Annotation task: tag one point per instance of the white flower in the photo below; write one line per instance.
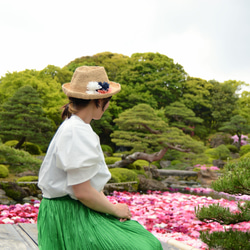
(92, 88)
(7, 221)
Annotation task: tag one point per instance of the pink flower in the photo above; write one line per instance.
(166, 215)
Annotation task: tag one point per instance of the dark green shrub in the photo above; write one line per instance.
(107, 150)
(181, 166)
(27, 178)
(4, 171)
(139, 164)
(19, 160)
(125, 175)
(219, 138)
(194, 159)
(114, 179)
(233, 148)
(245, 156)
(226, 239)
(219, 153)
(171, 155)
(112, 160)
(32, 148)
(14, 191)
(235, 180)
(244, 149)
(131, 166)
(174, 162)
(11, 143)
(141, 172)
(156, 163)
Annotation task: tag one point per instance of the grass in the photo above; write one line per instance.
(11, 178)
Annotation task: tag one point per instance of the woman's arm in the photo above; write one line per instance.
(97, 201)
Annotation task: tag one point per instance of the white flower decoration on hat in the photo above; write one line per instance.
(92, 88)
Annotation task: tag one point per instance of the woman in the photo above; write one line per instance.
(74, 213)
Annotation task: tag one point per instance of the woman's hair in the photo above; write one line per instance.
(76, 104)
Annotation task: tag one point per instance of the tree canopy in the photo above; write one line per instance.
(237, 125)
(156, 78)
(194, 105)
(22, 118)
(182, 117)
(45, 82)
(142, 130)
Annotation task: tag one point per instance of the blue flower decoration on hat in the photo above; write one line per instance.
(104, 86)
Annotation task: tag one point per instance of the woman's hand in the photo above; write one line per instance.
(122, 211)
(97, 201)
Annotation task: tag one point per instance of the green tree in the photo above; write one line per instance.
(197, 97)
(244, 105)
(18, 160)
(237, 125)
(224, 102)
(45, 82)
(140, 129)
(61, 75)
(235, 180)
(150, 78)
(221, 152)
(182, 117)
(22, 118)
(212, 101)
(112, 62)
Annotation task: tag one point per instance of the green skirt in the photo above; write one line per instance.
(66, 224)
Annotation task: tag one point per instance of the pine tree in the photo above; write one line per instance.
(22, 118)
(147, 135)
(235, 180)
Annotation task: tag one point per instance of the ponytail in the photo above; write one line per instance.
(66, 113)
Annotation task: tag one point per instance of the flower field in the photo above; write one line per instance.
(165, 214)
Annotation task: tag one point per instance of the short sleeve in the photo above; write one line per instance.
(78, 153)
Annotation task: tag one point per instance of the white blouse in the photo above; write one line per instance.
(74, 156)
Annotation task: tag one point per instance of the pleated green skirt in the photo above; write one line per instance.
(66, 224)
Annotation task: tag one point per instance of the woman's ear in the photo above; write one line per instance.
(99, 103)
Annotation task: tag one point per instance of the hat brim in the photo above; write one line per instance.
(114, 88)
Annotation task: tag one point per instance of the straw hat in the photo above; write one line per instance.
(90, 82)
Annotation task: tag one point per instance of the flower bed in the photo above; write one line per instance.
(167, 215)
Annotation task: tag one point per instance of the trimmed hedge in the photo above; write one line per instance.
(175, 162)
(244, 149)
(32, 148)
(114, 179)
(112, 160)
(107, 149)
(27, 178)
(139, 164)
(19, 160)
(245, 156)
(233, 148)
(123, 174)
(4, 171)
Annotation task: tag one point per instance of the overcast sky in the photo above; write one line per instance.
(209, 38)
